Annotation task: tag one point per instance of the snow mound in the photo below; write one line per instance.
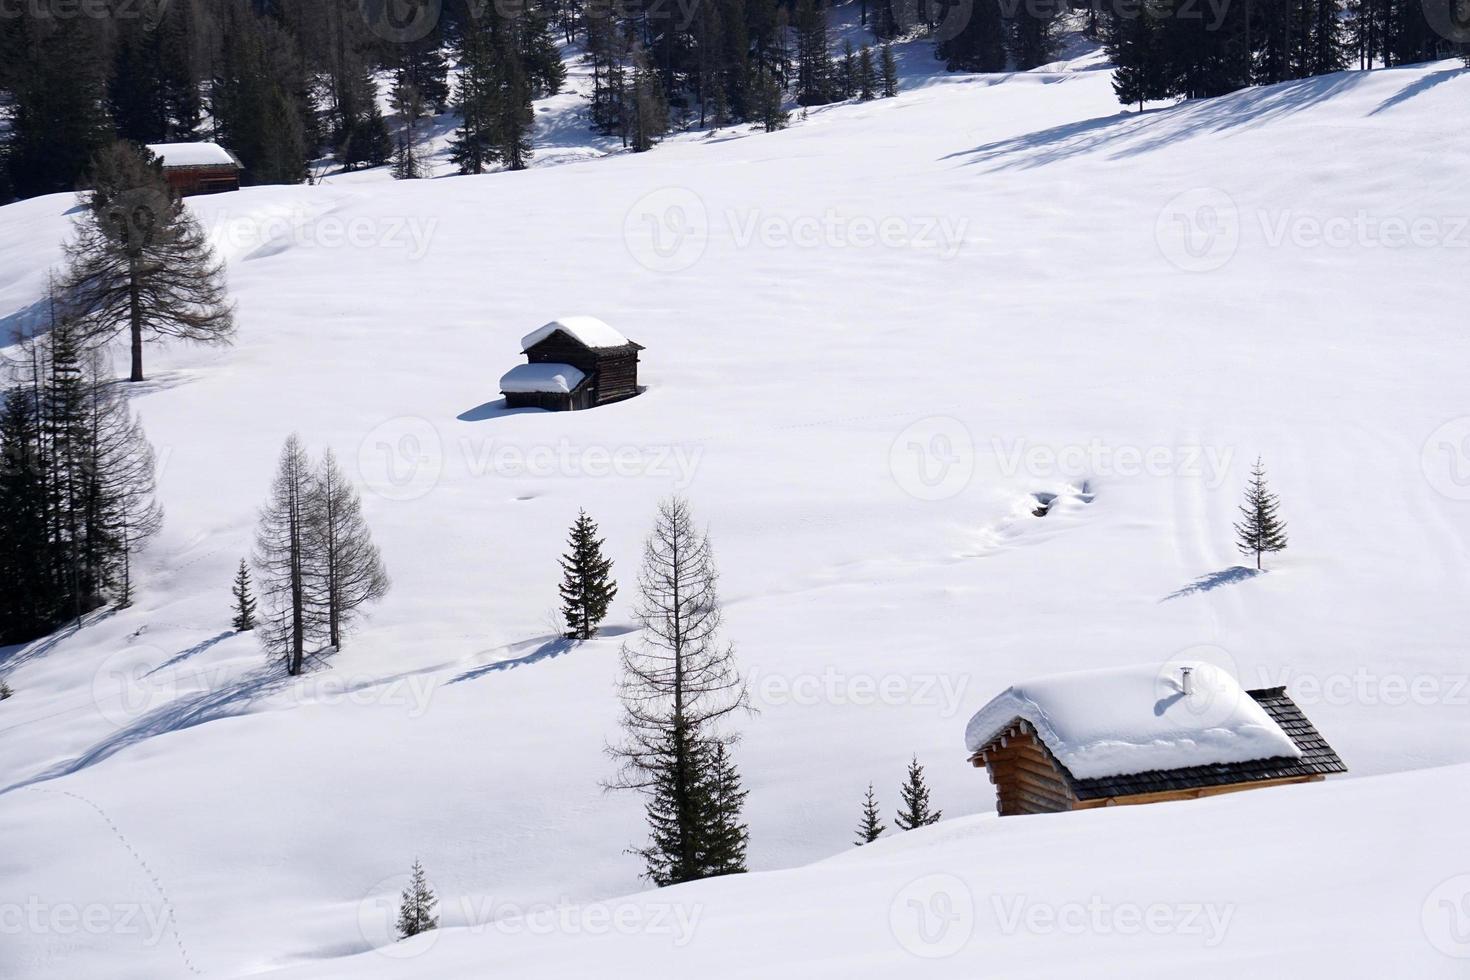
(560, 378)
(1137, 719)
(193, 155)
(586, 329)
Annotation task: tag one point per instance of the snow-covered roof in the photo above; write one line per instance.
(1137, 719)
(587, 330)
(559, 378)
(193, 155)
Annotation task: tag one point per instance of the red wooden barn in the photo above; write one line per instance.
(198, 168)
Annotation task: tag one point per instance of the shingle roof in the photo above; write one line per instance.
(1318, 759)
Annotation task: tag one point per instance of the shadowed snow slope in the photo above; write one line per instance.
(874, 342)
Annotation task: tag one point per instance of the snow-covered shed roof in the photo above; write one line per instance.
(556, 378)
(1137, 719)
(193, 155)
(586, 330)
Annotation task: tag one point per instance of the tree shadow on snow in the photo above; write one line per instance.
(185, 710)
(1127, 134)
(1212, 581)
(1419, 87)
(547, 647)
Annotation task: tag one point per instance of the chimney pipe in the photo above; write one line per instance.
(1186, 680)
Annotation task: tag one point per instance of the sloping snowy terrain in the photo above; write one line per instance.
(876, 342)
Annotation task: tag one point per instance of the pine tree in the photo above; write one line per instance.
(5, 692)
(914, 795)
(261, 100)
(889, 72)
(980, 44)
(54, 72)
(292, 623)
(726, 835)
(343, 568)
(813, 57)
(408, 102)
(587, 587)
(847, 73)
(244, 620)
(1260, 530)
(416, 908)
(140, 263)
(472, 147)
(1134, 42)
(872, 826)
(28, 603)
(867, 77)
(679, 686)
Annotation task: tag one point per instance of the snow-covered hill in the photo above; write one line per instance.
(871, 340)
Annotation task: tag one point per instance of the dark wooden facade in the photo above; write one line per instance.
(553, 401)
(612, 372)
(1028, 778)
(188, 181)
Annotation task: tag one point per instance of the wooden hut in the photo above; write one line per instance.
(198, 168)
(573, 363)
(1141, 735)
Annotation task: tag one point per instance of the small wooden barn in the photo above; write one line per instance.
(573, 363)
(1141, 735)
(198, 168)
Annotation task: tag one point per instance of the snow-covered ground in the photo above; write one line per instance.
(872, 340)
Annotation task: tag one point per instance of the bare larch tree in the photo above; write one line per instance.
(345, 569)
(679, 687)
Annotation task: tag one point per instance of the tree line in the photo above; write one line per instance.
(1178, 48)
(77, 485)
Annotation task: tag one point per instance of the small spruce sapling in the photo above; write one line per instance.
(244, 620)
(587, 586)
(872, 826)
(416, 911)
(1260, 530)
(915, 797)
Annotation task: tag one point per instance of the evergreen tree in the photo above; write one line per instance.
(55, 73)
(1031, 36)
(770, 102)
(343, 568)
(872, 826)
(28, 603)
(1134, 41)
(261, 101)
(847, 72)
(587, 587)
(914, 795)
(5, 692)
(416, 907)
(679, 687)
(140, 263)
(645, 112)
(244, 620)
(726, 835)
(1260, 530)
(867, 77)
(408, 102)
(813, 55)
(889, 72)
(980, 43)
